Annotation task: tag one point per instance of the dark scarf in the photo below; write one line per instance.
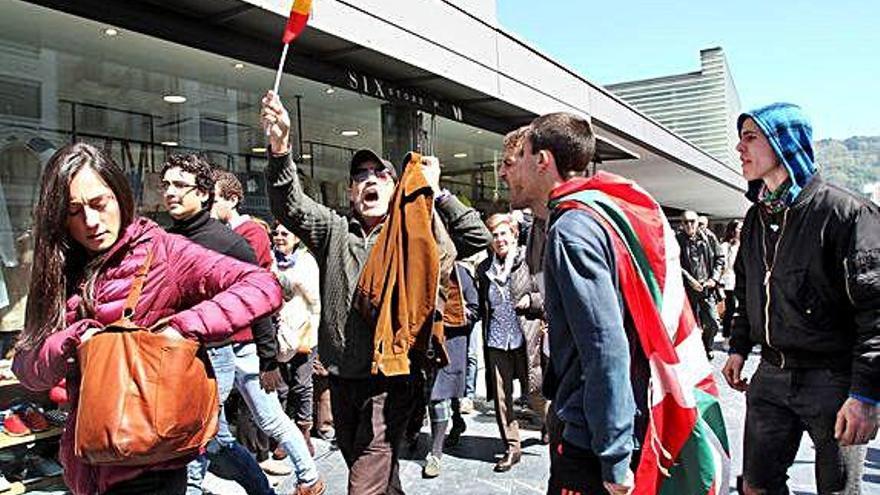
(775, 201)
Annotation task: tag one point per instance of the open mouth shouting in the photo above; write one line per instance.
(371, 196)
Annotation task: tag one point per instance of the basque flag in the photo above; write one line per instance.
(299, 16)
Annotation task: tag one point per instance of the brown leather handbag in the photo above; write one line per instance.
(145, 397)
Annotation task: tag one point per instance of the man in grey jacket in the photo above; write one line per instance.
(370, 411)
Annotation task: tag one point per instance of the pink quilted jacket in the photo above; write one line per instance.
(207, 295)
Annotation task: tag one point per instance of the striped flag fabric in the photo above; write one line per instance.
(296, 23)
(685, 449)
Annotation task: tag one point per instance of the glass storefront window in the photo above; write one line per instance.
(65, 78)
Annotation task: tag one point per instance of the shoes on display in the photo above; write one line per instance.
(34, 419)
(56, 417)
(14, 426)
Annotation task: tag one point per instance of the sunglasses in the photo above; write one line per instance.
(364, 174)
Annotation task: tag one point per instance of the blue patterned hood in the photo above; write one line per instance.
(790, 134)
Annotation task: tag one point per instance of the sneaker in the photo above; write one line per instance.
(34, 419)
(466, 406)
(14, 426)
(432, 467)
(276, 467)
(56, 417)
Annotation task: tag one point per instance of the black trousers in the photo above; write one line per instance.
(573, 470)
(781, 405)
(168, 482)
(730, 303)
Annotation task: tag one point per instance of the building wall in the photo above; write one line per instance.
(443, 38)
(700, 106)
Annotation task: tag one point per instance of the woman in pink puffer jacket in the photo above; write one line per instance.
(89, 244)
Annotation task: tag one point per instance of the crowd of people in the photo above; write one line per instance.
(355, 328)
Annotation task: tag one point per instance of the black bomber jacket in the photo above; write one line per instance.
(808, 282)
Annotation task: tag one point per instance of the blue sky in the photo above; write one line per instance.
(822, 55)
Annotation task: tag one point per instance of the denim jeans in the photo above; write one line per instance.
(230, 459)
(781, 405)
(470, 384)
(269, 415)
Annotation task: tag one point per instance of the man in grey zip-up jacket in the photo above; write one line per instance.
(370, 411)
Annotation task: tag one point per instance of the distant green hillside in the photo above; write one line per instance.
(852, 162)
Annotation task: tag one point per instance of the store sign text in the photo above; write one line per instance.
(373, 86)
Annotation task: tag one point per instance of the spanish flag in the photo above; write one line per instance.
(299, 16)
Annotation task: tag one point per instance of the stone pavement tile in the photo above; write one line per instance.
(467, 469)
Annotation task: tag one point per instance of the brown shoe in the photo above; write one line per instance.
(318, 488)
(510, 458)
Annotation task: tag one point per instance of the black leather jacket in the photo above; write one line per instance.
(809, 284)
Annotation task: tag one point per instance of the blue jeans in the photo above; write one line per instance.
(470, 384)
(269, 415)
(230, 459)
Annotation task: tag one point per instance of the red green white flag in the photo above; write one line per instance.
(685, 450)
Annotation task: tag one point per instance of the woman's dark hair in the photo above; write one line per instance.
(730, 230)
(59, 261)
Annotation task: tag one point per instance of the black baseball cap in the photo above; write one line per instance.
(367, 155)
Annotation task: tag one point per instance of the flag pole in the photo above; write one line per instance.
(280, 68)
(278, 75)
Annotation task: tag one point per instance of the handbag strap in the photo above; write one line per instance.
(137, 286)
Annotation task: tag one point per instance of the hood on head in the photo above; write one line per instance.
(790, 134)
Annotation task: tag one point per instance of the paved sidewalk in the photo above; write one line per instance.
(467, 470)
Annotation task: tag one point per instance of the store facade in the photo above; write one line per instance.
(145, 78)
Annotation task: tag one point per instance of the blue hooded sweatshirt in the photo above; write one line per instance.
(790, 134)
